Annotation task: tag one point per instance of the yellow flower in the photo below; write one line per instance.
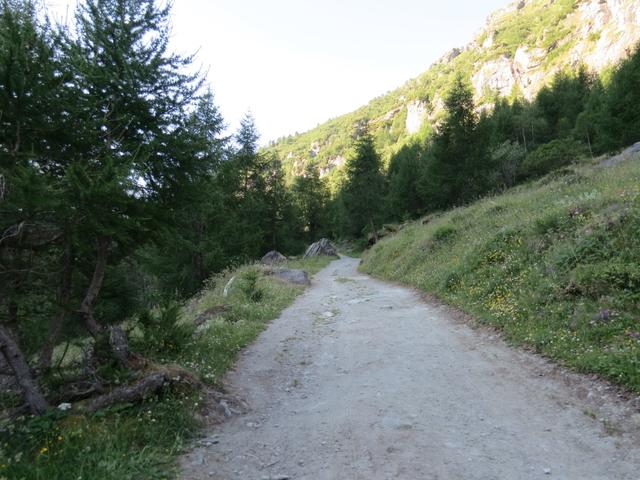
(44, 450)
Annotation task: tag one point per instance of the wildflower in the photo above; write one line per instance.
(44, 450)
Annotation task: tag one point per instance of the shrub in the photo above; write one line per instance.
(444, 233)
(163, 331)
(600, 279)
(249, 286)
(552, 155)
(506, 159)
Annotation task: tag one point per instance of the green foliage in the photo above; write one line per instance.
(553, 264)
(623, 103)
(163, 332)
(506, 160)
(364, 188)
(129, 441)
(444, 233)
(552, 155)
(404, 199)
(456, 171)
(249, 286)
(536, 23)
(311, 199)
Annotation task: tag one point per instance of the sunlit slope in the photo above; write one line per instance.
(554, 264)
(516, 52)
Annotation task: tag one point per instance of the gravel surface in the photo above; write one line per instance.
(360, 379)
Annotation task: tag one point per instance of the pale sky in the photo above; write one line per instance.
(296, 63)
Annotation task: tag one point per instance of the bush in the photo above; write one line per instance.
(249, 286)
(550, 156)
(163, 331)
(444, 233)
(506, 159)
(597, 280)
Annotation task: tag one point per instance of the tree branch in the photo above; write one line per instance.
(86, 308)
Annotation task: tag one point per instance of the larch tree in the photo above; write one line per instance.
(364, 189)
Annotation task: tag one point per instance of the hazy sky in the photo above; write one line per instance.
(297, 63)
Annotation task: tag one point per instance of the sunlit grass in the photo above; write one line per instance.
(555, 264)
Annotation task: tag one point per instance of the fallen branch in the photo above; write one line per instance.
(128, 393)
(160, 376)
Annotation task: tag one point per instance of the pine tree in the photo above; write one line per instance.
(404, 199)
(623, 103)
(189, 248)
(457, 170)
(364, 190)
(311, 198)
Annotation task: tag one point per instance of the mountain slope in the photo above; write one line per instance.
(517, 52)
(554, 264)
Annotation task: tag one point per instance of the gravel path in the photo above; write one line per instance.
(360, 379)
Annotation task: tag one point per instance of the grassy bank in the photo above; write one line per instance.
(554, 264)
(142, 441)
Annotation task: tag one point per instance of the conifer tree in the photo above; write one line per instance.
(456, 172)
(133, 94)
(364, 189)
(311, 198)
(404, 199)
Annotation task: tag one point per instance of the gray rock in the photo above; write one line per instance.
(273, 257)
(627, 154)
(292, 275)
(321, 247)
(227, 287)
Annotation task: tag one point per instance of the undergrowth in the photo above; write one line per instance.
(554, 264)
(143, 441)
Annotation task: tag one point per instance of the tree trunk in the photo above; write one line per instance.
(64, 297)
(86, 308)
(116, 336)
(18, 363)
(119, 344)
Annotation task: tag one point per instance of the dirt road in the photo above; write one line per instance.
(360, 379)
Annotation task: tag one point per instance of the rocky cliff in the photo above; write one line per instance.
(517, 52)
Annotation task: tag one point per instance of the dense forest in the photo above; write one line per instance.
(119, 188)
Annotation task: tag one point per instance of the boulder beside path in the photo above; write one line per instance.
(321, 247)
(273, 257)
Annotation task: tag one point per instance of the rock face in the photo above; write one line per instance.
(633, 152)
(604, 32)
(334, 162)
(321, 247)
(292, 275)
(495, 76)
(416, 111)
(273, 257)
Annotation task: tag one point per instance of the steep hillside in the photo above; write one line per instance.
(554, 264)
(517, 52)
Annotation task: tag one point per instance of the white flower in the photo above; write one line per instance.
(64, 406)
